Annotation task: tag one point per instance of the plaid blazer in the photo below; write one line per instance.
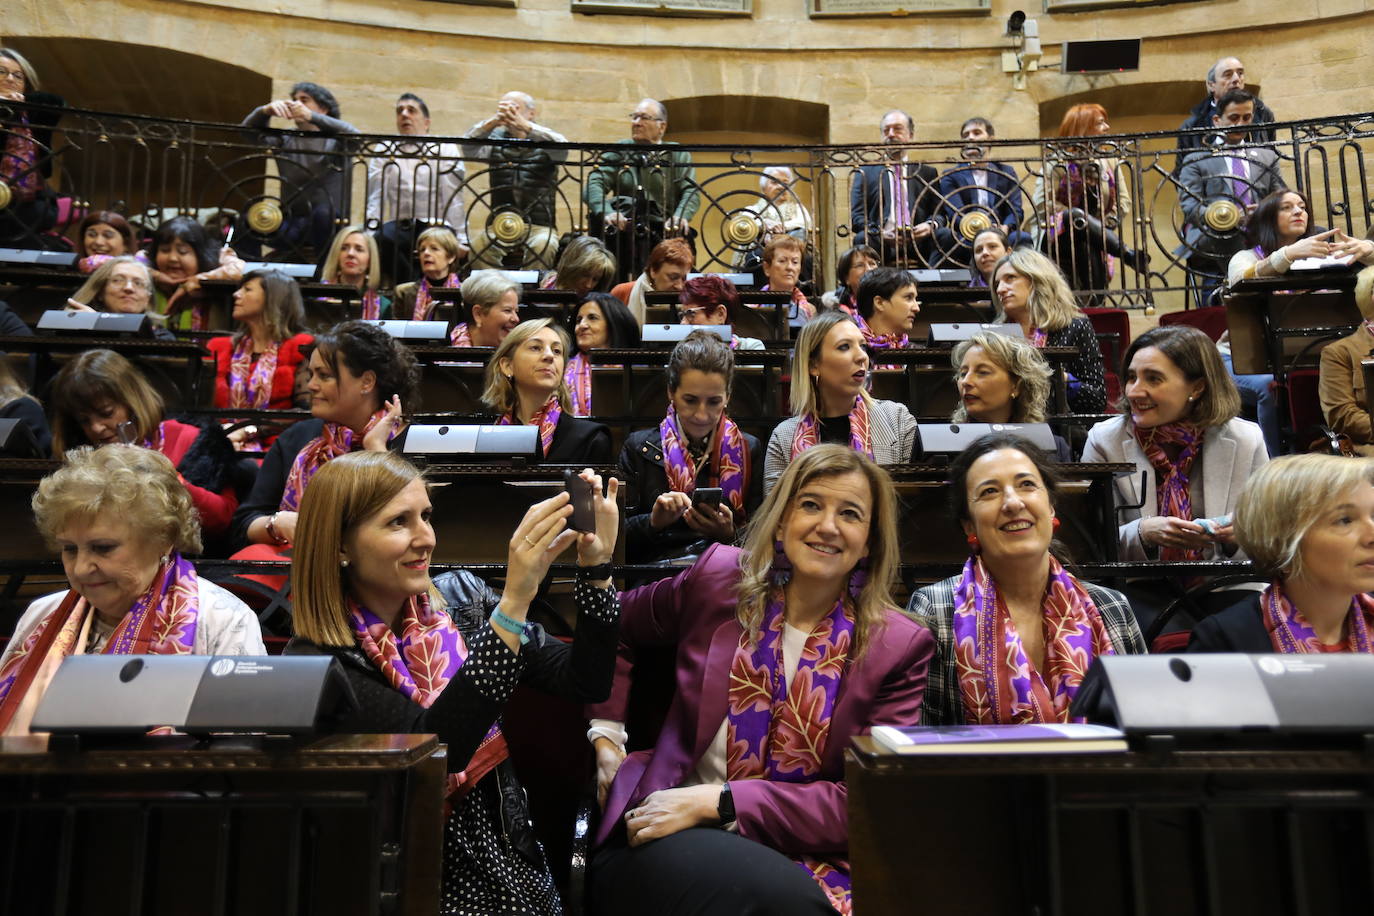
(933, 606)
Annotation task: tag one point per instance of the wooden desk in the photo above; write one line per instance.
(158, 359)
(31, 291)
(929, 533)
(342, 825)
(326, 304)
(1277, 324)
(925, 381)
(558, 304)
(951, 305)
(1188, 832)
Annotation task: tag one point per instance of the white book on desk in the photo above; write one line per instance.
(1046, 738)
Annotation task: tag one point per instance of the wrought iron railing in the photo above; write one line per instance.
(1083, 199)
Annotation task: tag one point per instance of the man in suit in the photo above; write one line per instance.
(1234, 171)
(977, 186)
(894, 207)
(1225, 75)
(642, 192)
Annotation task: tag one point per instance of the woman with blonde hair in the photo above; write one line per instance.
(1001, 379)
(1307, 522)
(786, 649)
(493, 303)
(525, 385)
(354, 260)
(439, 252)
(443, 657)
(1089, 202)
(123, 285)
(1028, 289)
(100, 398)
(585, 266)
(122, 522)
(831, 404)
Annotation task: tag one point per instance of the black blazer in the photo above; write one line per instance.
(1238, 628)
(578, 441)
(270, 483)
(641, 461)
(870, 200)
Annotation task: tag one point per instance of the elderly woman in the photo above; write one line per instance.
(713, 300)
(185, 255)
(353, 260)
(443, 658)
(782, 266)
(1178, 424)
(439, 252)
(26, 162)
(696, 445)
(1089, 198)
(830, 402)
(360, 378)
(602, 321)
(121, 284)
(786, 649)
(851, 267)
(121, 520)
(989, 247)
(525, 386)
(887, 305)
(1306, 521)
(100, 398)
(1003, 379)
(1345, 402)
(1030, 290)
(669, 263)
(585, 266)
(779, 210)
(493, 302)
(102, 235)
(1015, 632)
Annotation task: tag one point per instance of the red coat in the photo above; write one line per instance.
(215, 509)
(283, 380)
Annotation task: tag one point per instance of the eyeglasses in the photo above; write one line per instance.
(135, 282)
(16, 75)
(636, 116)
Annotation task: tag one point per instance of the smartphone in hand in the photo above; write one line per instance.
(583, 503)
(707, 496)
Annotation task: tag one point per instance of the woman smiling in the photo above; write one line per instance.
(602, 321)
(1015, 632)
(438, 251)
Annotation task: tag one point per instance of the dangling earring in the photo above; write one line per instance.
(973, 546)
(780, 572)
(166, 558)
(858, 578)
(344, 563)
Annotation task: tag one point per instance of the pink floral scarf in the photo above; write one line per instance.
(460, 336)
(1290, 632)
(334, 440)
(161, 622)
(372, 305)
(860, 438)
(546, 418)
(880, 341)
(578, 377)
(729, 460)
(996, 680)
(250, 382)
(424, 302)
(420, 664)
(1171, 475)
(778, 731)
(19, 162)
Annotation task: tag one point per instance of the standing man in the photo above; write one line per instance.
(522, 178)
(978, 186)
(413, 185)
(1226, 75)
(1238, 172)
(313, 170)
(894, 207)
(642, 192)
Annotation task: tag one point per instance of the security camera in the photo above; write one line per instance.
(1015, 22)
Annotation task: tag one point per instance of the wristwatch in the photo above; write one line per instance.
(725, 808)
(595, 573)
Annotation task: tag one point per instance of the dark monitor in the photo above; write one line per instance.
(99, 324)
(959, 276)
(1111, 55)
(37, 257)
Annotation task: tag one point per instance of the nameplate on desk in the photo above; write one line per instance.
(738, 279)
(105, 324)
(417, 331)
(952, 438)
(295, 271)
(674, 333)
(952, 277)
(37, 257)
(963, 330)
(523, 277)
(472, 439)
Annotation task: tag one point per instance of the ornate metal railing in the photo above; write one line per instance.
(1087, 201)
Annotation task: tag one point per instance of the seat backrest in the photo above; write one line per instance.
(1304, 405)
(1113, 329)
(1210, 321)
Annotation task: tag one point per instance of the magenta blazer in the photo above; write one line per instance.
(695, 611)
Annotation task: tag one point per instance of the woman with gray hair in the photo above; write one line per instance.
(122, 522)
(493, 301)
(1307, 521)
(124, 285)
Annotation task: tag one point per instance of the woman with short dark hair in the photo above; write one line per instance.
(601, 321)
(887, 304)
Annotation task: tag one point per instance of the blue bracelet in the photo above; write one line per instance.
(500, 618)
